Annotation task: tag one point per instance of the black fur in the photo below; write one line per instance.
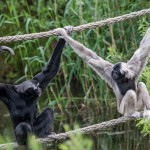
(124, 84)
(21, 101)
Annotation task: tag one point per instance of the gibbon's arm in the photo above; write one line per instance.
(3, 92)
(100, 66)
(52, 67)
(6, 49)
(140, 57)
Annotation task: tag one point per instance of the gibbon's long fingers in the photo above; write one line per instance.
(61, 33)
(6, 49)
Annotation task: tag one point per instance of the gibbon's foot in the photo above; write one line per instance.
(136, 115)
(146, 114)
(51, 134)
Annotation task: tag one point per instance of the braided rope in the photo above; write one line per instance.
(85, 130)
(91, 25)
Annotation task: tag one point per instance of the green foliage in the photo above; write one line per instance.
(76, 142)
(146, 76)
(32, 144)
(144, 126)
(143, 25)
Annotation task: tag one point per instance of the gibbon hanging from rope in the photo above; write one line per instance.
(132, 96)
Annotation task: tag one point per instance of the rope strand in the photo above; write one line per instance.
(92, 25)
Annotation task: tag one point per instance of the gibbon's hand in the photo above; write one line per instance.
(62, 33)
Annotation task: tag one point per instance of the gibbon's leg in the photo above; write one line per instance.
(21, 132)
(143, 96)
(44, 123)
(128, 103)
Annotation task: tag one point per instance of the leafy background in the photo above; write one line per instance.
(76, 94)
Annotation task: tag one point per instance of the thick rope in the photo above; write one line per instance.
(109, 21)
(85, 130)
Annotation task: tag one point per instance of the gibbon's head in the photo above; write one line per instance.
(29, 88)
(121, 71)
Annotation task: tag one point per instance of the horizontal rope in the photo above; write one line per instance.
(109, 21)
(85, 130)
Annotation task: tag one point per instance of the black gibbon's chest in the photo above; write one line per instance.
(126, 85)
(21, 106)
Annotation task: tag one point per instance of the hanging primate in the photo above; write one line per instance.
(21, 101)
(132, 96)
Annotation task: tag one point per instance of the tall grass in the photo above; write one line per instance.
(76, 87)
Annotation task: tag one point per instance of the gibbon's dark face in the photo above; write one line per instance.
(120, 75)
(117, 73)
(29, 88)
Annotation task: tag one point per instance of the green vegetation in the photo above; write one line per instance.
(77, 141)
(77, 93)
(144, 125)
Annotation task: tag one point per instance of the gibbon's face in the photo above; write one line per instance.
(29, 88)
(118, 71)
